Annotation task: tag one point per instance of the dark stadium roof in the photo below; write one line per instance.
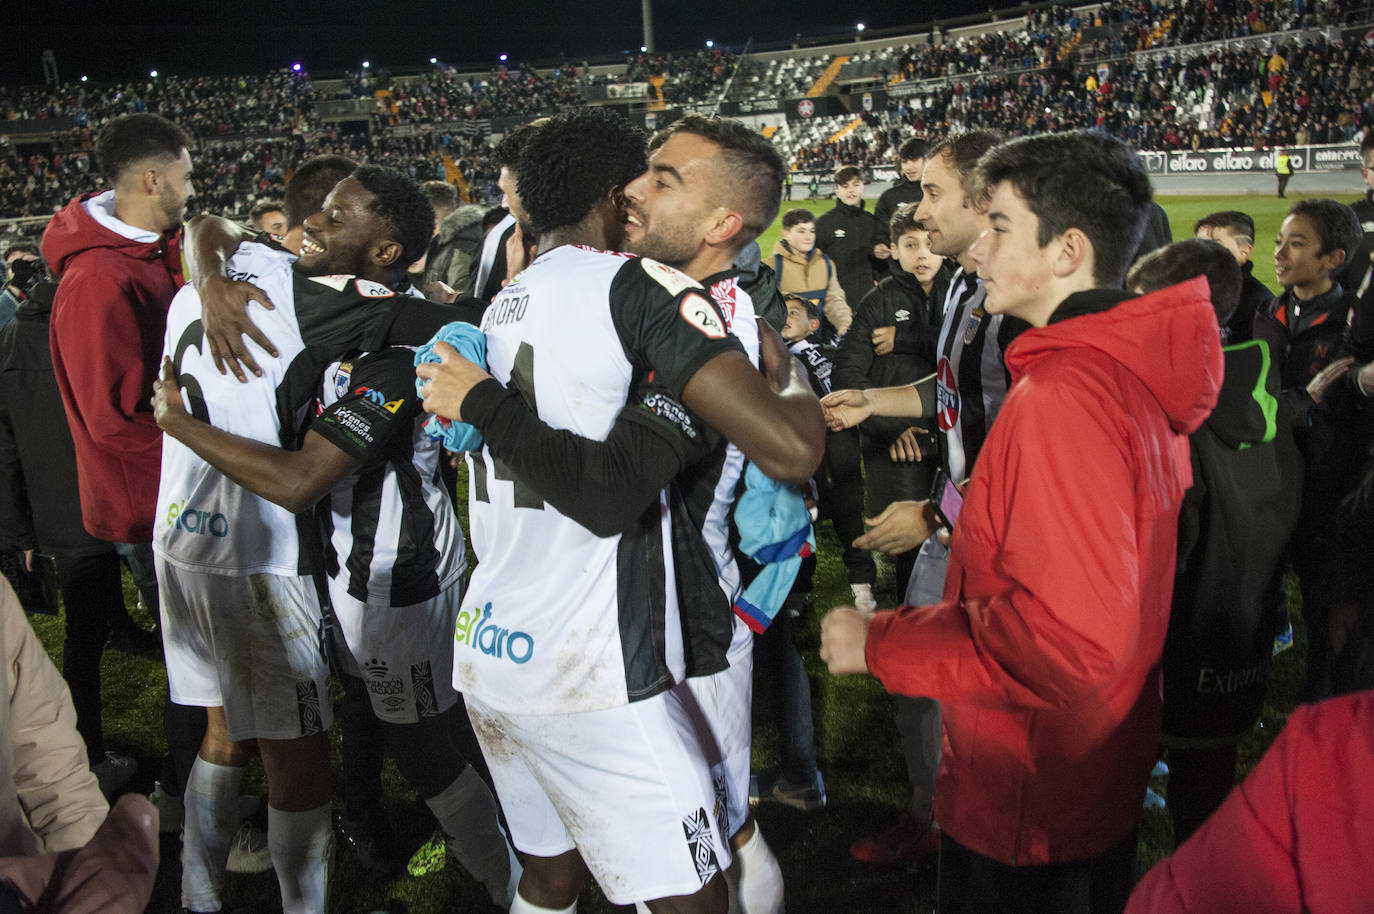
(119, 39)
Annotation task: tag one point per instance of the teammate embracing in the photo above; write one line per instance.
(597, 648)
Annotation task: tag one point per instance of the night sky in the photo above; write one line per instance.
(116, 40)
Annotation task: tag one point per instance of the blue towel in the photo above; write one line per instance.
(471, 345)
(775, 531)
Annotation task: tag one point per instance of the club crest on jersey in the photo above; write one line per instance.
(341, 378)
(698, 312)
(675, 281)
(474, 629)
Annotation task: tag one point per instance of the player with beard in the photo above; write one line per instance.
(664, 344)
(220, 546)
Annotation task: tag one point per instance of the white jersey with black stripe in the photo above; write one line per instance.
(557, 619)
(205, 522)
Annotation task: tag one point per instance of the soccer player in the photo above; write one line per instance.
(393, 546)
(218, 539)
(969, 389)
(619, 657)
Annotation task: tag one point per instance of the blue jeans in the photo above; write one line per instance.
(782, 679)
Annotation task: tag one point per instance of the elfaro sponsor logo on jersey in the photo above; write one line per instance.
(191, 520)
(475, 629)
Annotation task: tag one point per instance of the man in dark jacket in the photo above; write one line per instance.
(1352, 275)
(40, 509)
(849, 235)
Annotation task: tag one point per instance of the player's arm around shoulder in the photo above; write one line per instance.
(680, 334)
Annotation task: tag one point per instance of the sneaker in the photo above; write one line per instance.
(113, 773)
(170, 811)
(770, 786)
(128, 636)
(1161, 770)
(1154, 799)
(863, 598)
(909, 837)
(248, 852)
(375, 843)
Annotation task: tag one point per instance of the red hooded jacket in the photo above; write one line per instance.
(1044, 652)
(108, 320)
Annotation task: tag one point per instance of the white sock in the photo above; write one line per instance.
(302, 846)
(760, 877)
(521, 906)
(467, 813)
(211, 800)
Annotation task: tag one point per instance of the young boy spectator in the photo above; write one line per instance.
(892, 341)
(803, 270)
(1044, 653)
(1313, 323)
(851, 236)
(783, 686)
(1235, 231)
(911, 161)
(839, 482)
(1233, 526)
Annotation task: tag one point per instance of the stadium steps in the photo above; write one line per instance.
(825, 79)
(454, 175)
(657, 104)
(845, 131)
(1160, 31)
(768, 132)
(388, 103)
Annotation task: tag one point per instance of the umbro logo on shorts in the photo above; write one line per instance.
(308, 705)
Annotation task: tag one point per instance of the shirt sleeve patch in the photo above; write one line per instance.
(697, 311)
(675, 281)
(369, 289)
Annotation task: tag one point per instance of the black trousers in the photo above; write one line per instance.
(970, 883)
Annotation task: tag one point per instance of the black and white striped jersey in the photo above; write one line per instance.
(557, 619)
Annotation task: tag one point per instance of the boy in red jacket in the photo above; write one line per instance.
(1044, 653)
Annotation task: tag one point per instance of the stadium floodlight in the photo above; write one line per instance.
(434, 60)
(84, 78)
(366, 64)
(296, 67)
(710, 43)
(643, 48)
(859, 27)
(503, 58)
(153, 74)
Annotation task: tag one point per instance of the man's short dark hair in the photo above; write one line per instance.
(962, 152)
(1336, 224)
(1239, 224)
(798, 216)
(1181, 261)
(752, 167)
(442, 195)
(133, 138)
(311, 183)
(846, 173)
(263, 207)
(903, 221)
(507, 152)
(398, 201)
(1367, 143)
(1078, 179)
(913, 149)
(573, 162)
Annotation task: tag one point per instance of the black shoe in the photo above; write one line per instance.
(130, 637)
(375, 843)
